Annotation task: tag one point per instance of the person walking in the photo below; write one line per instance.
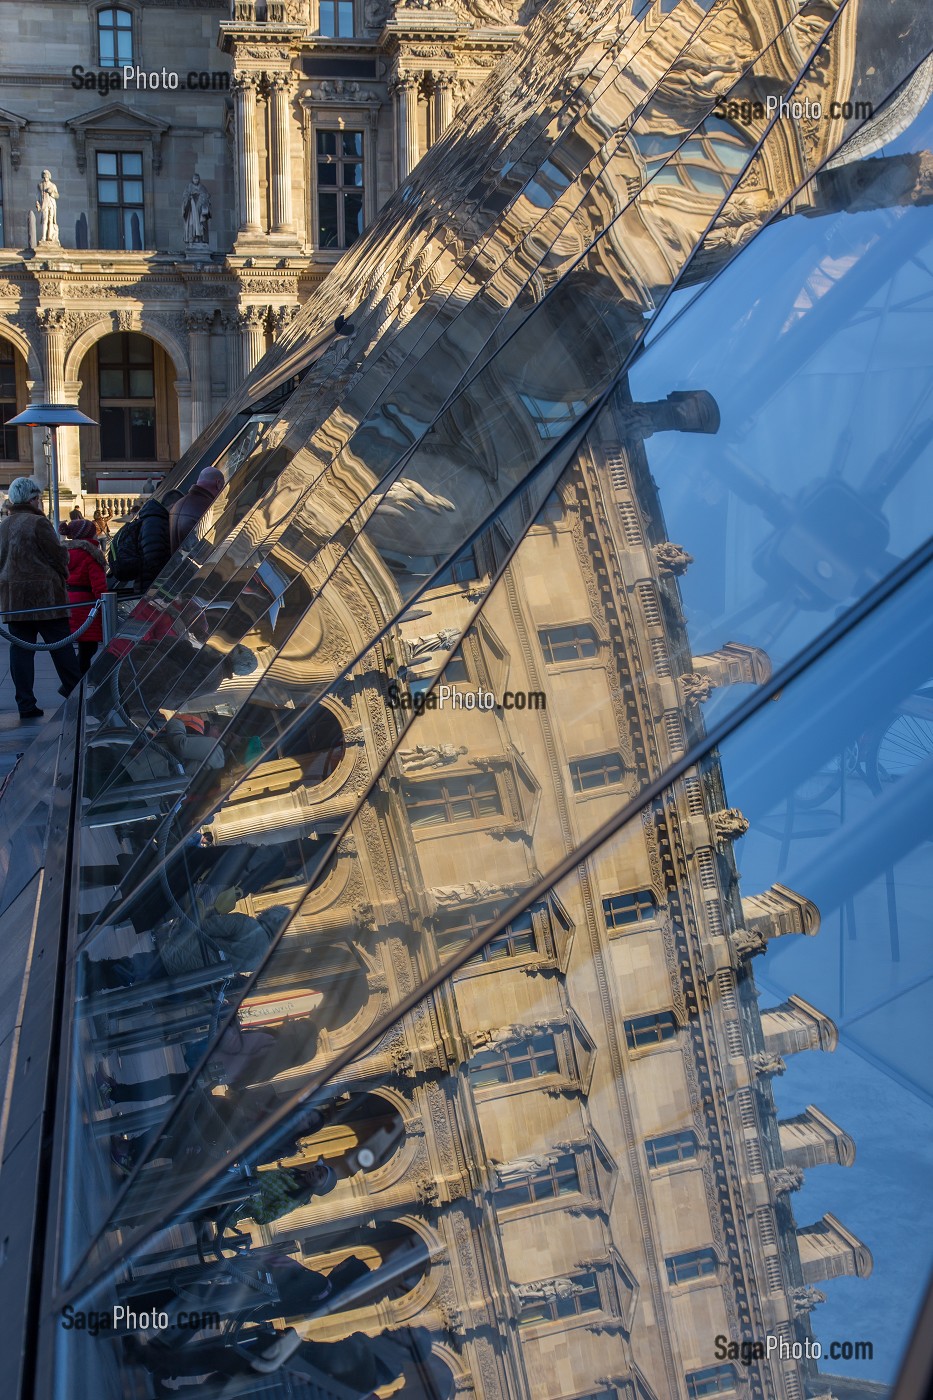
(190, 511)
(87, 580)
(33, 575)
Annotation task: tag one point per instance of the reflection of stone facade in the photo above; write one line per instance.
(274, 82)
(645, 1138)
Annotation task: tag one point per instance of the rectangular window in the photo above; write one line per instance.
(670, 1147)
(513, 1064)
(339, 188)
(335, 19)
(120, 200)
(650, 1030)
(630, 908)
(114, 38)
(602, 770)
(560, 1178)
(512, 942)
(712, 1380)
(695, 1263)
(567, 643)
(456, 798)
(126, 377)
(585, 1300)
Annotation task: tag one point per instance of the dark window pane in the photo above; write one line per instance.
(327, 143)
(111, 384)
(352, 172)
(351, 143)
(327, 173)
(327, 228)
(141, 384)
(142, 433)
(110, 228)
(112, 445)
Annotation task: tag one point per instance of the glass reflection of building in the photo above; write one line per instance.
(420, 1042)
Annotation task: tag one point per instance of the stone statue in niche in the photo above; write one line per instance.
(523, 1167)
(425, 756)
(47, 210)
(196, 211)
(545, 1292)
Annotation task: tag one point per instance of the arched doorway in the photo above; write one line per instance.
(128, 386)
(15, 443)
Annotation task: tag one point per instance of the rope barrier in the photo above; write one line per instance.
(65, 641)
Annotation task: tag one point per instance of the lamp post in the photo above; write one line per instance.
(52, 416)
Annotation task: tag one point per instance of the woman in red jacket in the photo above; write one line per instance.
(87, 580)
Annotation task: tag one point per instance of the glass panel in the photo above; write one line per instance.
(106, 163)
(328, 233)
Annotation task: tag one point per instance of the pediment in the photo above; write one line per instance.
(117, 119)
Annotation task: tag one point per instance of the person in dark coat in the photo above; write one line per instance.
(87, 580)
(155, 538)
(33, 575)
(187, 513)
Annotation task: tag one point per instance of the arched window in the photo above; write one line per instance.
(127, 398)
(114, 37)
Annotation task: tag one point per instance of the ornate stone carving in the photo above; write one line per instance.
(339, 90)
(729, 824)
(785, 1179)
(765, 1063)
(426, 756)
(549, 1289)
(805, 1299)
(199, 322)
(671, 559)
(443, 640)
(695, 688)
(364, 915)
(748, 943)
(473, 892)
(523, 1167)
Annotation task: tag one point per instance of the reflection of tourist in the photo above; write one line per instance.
(284, 1189)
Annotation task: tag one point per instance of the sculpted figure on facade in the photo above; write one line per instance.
(805, 1299)
(766, 1063)
(545, 1292)
(785, 1179)
(729, 824)
(424, 756)
(749, 942)
(671, 559)
(523, 1167)
(473, 892)
(444, 640)
(47, 210)
(196, 211)
(695, 688)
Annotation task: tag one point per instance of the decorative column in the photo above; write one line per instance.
(405, 88)
(247, 151)
(252, 324)
(443, 103)
(282, 320)
(234, 344)
(279, 141)
(199, 355)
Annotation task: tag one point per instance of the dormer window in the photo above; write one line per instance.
(335, 19)
(114, 37)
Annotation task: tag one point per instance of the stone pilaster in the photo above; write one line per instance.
(405, 89)
(247, 152)
(279, 140)
(53, 323)
(252, 324)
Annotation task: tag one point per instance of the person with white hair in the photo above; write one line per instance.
(33, 593)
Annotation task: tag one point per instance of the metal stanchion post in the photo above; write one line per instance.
(109, 615)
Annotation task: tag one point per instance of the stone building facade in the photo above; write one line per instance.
(299, 119)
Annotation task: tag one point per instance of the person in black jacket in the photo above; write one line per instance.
(155, 546)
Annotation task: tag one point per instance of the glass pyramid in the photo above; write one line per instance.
(425, 911)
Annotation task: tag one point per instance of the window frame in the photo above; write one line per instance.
(132, 27)
(546, 643)
(679, 1266)
(120, 153)
(682, 1136)
(595, 763)
(552, 1175)
(514, 1053)
(565, 1309)
(715, 1373)
(354, 21)
(634, 1026)
(126, 403)
(446, 797)
(642, 898)
(354, 125)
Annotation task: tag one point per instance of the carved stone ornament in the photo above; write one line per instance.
(805, 1299)
(785, 1179)
(521, 1168)
(748, 943)
(443, 640)
(671, 559)
(425, 756)
(544, 1292)
(765, 1063)
(729, 824)
(695, 688)
(473, 892)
